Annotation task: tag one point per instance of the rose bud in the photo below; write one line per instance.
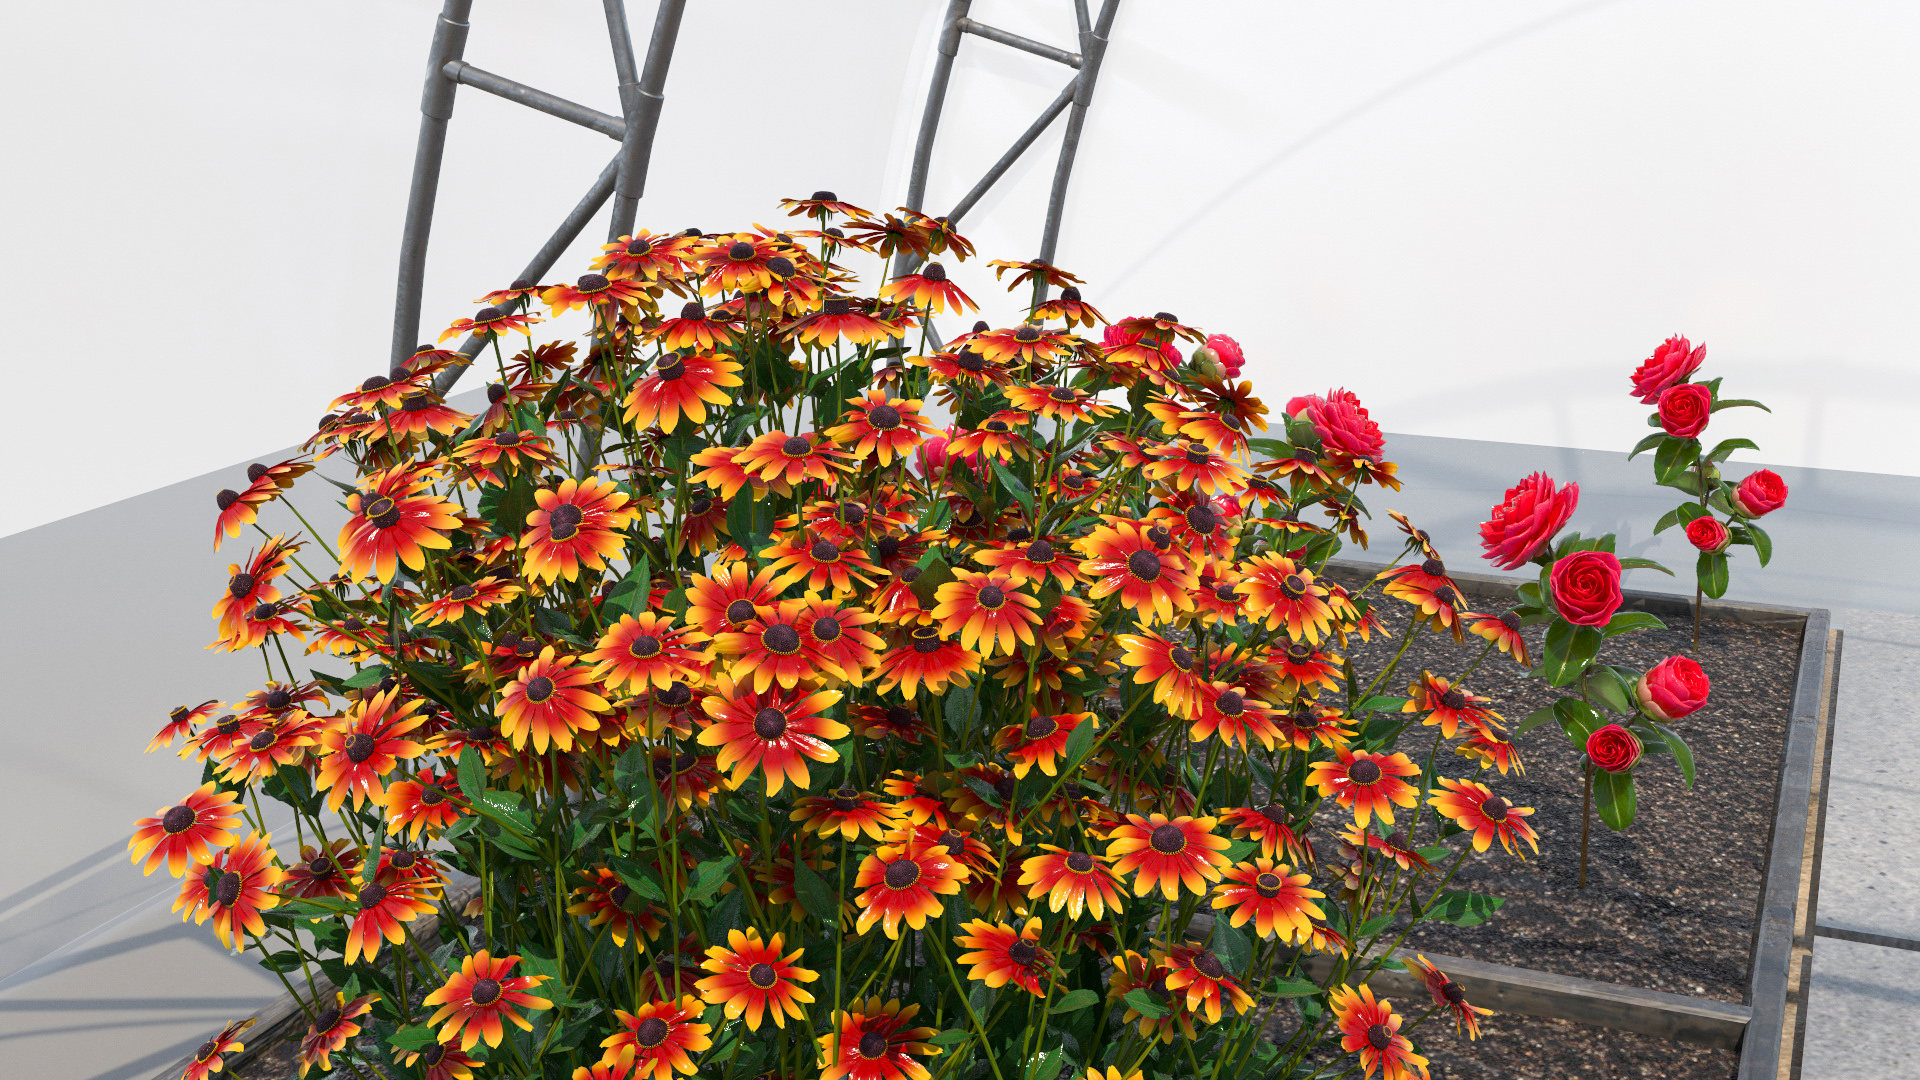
(1761, 493)
(1613, 748)
(1673, 688)
(1586, 587)
(1684, 410)
(1207, 363)
(1708, 534)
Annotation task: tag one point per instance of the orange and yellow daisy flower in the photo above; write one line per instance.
(1371, 1029)
(1131, 971)
(1448, 706)
(233, 889)
(606, 900)
(1004, 954)
(1170, 667)
(325, 871)
(382, 904)
(842, 318)
(1071, 880)
(594, 292)
(681, 385)
(881, 427)
(1204, 978)
(753, 978)
(391, 519)
(929, 290)
(820, 564)
(1449, 995)
(1369, 784)
(209, 1058)
(1277, 900)
(474, 1001)
(180, 723)
(1272, 828)
(1060, 403)
(904, 882)
(645, 651)
(549, 702)
(186, 833)
(847, 811)
(660, 1038)
(733, 597)
(870, 1040)
(926, 657)
(578, 524)
(1491, 751)
(1195, 465)
(438, 1061)
(1167, 853)
(1502, 630)
(774, 732)
(778, 457)
(1037, 561)
(425, 805)
(1040, 741)
(776, 648)
(1121, 559)
(996, 438)
(987, 612)
(642, 256)
(330, 1031)
(463, 600)
(1477, 809)
(366, 745)
(239, 509)
(1233, 714)
(1285, 593)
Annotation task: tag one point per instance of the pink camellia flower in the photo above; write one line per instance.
(934, 456)
(1115, 337)
(1673, 688)
(1613, 748)
(1760, 493)
(1228, 350)
(1671, 364)
(1684, 409)
(1586, 587)
(1343, 424)
(1525, 521)
(1707, 534)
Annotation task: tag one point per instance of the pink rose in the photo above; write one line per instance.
(1707, 534)
(1228, 350)
(1613, 748)
(1343, 425)
(1684, 409)
(1760, 493)
(1672, 363)
(1525, 521)
(1586, 587)
(933, 456)
(1673, 688)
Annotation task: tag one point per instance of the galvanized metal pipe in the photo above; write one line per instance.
(642, 106)
(436, 107)
(1026, 139)
(1024, 44)
(1093, 47)
(949, 47)
(500, 86)
(549, 253)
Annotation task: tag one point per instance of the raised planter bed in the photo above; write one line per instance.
(1694, 933)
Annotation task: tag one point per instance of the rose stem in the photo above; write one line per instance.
(1586, 819)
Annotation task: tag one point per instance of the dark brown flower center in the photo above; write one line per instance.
(1209, 965)
(740, 612)
(432, 1054)
(1197, 454)
(1027, 333)
(359, 747)
(901, 716)
(1379, 1037)
(969, 361)
(1364, 772)
(763, 976)
(901, 873)
(1079, 862)
(239, 585)
(824, 551)
(1452, 992)
(177, 819)
(1275, 813)
(1495, 808)
(872, 1045)
(1267, 885)
(1181, 656)
(1433, 568)
(651, 1032)
(1510, 621)
(320, 866)
(464, 592)
(1168, 839)
(485, 991)
(644, 647)
(1230, 703)
(992, 597)
(1023, 952)
(826, 628)
(1041, 726)
(592, 282)
(770, 723)
(796, 446)
(1202, 519)
(1293, 587)
(926, 639)
(1447, 596)
(539, 689)
(1144, 565)
(327, 1019)
(372, 895)
(674, 696)
(262, 741)
(951, 839)
(671, 369)
(381, 511)
(227, 892)
(225, 498)
(432, 795)
(566, 514)
(781, 638)
(998, 427)
(1040, 551)
(1454, 699)
(1299, 652)
(884, 417)
(206, 1050)
(740, 251)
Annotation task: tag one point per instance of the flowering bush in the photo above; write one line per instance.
(765, 686)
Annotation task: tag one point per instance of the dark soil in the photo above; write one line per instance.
(1670, 904)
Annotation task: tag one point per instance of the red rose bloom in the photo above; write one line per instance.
(1760, 493)
(1684, 409)
(1343, 424)
(1707, 534)
(1232, 359)
(1673, 688)
(1613, 748)
(1586, 587)
(1672, 363)
(1523, 524)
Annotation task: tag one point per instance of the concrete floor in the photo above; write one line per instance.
(98, 979)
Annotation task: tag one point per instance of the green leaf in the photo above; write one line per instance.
(1734, 403)
(413, 1038)
(1381, 703)
(1463, 908)
(953, 1036)
(1530, 595)
(1762, 543)
(1674, 458)
(1569, 649)
(1138, 999)
(1014, 485)
(1613, 797)
(1292, 988)
(1647, 444)
(638, 876)
(1238, 850)
(365, 677)
(504, 808)
(1534, 719)
(1075, 1001)
(1679, 515)
(1373, 926)
(1724, 448)
(1625, 621)
(958, 709)
(555, 988)
(815, 895)
(1578, 719)
(1682, 753)
(629, 597)
(727, 915)
(472, 773)
(1079, 744)
(632, 766)
(1711, 569)
(1230, 944)
(1047, 1066)
(1604, 683)
(1637, 563)
(708, 877)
